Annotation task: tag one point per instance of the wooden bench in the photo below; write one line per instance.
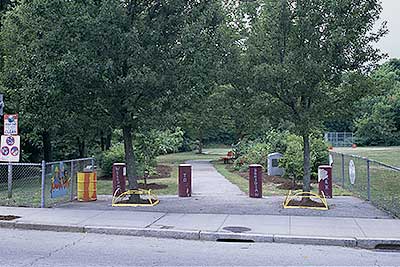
(229, 157)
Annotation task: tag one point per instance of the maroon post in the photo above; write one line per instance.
(119, 178)
(185, 180)
(255, 181)
(325, 180)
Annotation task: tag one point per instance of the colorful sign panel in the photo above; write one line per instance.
(10, 124)
(10, 148)
(60, 181)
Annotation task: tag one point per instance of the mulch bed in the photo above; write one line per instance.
(282, 183)
(8, 217)
(152, 186)
(306, 202)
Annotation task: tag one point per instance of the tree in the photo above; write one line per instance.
(301, 48)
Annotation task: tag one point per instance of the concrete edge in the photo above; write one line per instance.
(49, 227)
(316, 240)
(215, 236)
(371, 243)
(364, 243)
(145, 232)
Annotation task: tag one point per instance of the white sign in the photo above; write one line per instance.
(10, 124)
(352, 172)
(322, 174)
(10, 148)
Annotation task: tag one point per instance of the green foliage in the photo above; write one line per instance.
(254, 153)
(147, 147)
(293, 160)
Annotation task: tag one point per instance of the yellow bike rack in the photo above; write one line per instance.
(151, 197)
(309, 195)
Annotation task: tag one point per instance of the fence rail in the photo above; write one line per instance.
(374, 181)
(41, 184)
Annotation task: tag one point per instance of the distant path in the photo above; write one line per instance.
(206, 181)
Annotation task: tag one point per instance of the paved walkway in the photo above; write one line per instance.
(366, 233)
(208, 182)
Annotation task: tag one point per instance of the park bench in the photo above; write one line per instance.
(229, 157)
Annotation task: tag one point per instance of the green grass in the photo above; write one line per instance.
(388, 155)
(269, 189)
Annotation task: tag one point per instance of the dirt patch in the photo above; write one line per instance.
(306, 202)
(152, 186)
(8, 217)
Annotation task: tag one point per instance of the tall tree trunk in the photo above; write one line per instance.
(108, 140)
(130, 163)
(81, 147)
(47, 150)
(201, 142)
(306, 166)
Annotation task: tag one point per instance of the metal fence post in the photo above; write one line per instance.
(9, 180)
(42, 203)
(72, 181)
(368, 181)
(92, 162)
(342, 170)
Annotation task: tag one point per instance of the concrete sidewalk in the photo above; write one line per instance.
(351, 232)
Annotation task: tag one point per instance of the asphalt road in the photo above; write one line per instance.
(40, 248)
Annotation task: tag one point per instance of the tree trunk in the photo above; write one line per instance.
(108, 140)
(201, 142)
(81, 148)
(306, 166)
(47, 150)
(130, 163)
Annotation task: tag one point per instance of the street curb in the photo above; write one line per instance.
(316, 240)
(49, 227)
(146, 232)
(372, 243)
(226, 236)
(364, 243)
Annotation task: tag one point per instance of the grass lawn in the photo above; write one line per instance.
(269, 189)
(388, 155)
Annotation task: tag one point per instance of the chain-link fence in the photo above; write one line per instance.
(340, 139)
(370, 179)
(41, 185)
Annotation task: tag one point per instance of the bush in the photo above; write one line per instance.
(254, 153)
(293, 161)
(146, 148)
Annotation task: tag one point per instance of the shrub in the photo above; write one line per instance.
(293, 161)
(255, 153)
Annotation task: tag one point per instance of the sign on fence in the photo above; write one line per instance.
(10, 148)
(10, 124)
(352, 172)
(60, 181)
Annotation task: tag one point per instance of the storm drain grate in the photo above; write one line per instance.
(8, 217)
(235, 240)
(389, 247)
(236, 229)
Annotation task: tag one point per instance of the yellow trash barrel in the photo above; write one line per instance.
(87, 186)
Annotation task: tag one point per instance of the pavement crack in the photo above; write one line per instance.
(147, 226)
(51, 253)
(359, 227)
(226, 218)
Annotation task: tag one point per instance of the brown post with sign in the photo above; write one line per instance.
(255, 181)
(325, 180)
(185, 180)
(119, 178)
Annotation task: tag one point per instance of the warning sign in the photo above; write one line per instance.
(10, 124)
(10, 148)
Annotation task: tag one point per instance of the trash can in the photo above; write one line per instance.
(119, 178)
(255, 181)
(325, 180)
(87, 186)
(185, 180)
